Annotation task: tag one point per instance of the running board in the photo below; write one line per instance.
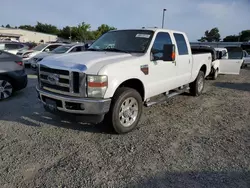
(165, 98)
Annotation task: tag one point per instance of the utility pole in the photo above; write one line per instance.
(163, 17)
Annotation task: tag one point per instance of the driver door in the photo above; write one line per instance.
(233, 64)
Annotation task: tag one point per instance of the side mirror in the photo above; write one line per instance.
(168, 52)
(87, 46)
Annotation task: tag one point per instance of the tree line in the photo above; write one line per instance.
(80, 32)
(213, 35)
(83, 32)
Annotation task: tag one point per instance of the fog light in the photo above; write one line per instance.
(82, 106)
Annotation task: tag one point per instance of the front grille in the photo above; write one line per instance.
(64, 82)
(19, 53)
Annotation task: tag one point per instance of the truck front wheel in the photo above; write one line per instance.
(126, 110)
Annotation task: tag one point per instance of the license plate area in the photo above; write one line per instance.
(51, 104)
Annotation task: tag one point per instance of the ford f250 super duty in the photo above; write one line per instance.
(119, 73)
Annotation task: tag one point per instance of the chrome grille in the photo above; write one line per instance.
(64, 82)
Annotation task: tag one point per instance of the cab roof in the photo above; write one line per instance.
(155, 29)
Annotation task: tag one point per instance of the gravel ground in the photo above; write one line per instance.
(186, 142)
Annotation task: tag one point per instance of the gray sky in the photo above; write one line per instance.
(190, 16)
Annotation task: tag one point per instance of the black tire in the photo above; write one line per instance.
(215, 74)
(118, 100)
(195, 90)
(6, 88)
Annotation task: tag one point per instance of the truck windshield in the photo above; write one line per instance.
(129, 41)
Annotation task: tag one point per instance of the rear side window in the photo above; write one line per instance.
(11, 46)
(52, 47)
(181, 44)
(161, 39)
(77, 49)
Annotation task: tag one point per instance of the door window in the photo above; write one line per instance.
(161, 39)
(181, 44)
(77, 49)
(52, 47)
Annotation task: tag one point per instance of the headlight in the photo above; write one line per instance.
(27, 55)
(97, 85)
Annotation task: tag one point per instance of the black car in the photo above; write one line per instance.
(12, 74)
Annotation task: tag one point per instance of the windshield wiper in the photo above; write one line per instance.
(116, 50)
(92, 49)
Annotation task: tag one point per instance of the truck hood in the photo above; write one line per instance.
(88, 61)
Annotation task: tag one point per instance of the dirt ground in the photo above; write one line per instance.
(187, 142)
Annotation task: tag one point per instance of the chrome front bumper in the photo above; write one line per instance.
(72, 104)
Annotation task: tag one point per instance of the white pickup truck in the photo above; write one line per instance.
(119, 73)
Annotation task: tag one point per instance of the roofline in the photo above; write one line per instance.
(2, 28)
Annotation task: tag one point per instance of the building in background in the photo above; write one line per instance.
(22, 35)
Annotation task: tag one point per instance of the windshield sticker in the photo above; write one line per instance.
(142, 36)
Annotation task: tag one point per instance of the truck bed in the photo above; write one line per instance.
(202, 58)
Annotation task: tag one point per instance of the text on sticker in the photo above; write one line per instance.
(143, 36)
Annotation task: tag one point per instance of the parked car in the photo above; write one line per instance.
(12, 47)
(223, 59)
(12, 74)
(143, 67)
(28, 54)
(246, 59)
(68, 48)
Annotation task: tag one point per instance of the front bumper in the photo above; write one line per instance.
(27, 61)
(73, 105)
(34, 66)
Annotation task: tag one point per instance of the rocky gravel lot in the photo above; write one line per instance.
(186, 142)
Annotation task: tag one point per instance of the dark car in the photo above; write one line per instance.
(12, 74)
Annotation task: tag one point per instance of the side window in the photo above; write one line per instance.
(76, 49)
(11, 46)
(161, 39)
(181, 44)
(52, 47)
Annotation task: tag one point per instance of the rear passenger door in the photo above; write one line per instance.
(183, 59)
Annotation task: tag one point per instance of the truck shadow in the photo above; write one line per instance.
(37, 119)
(235, 86)
(197, 179)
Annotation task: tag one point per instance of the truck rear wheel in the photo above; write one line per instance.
(126, 110)
(197, 86)
(215, 74)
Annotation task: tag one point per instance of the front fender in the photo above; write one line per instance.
(114, 83)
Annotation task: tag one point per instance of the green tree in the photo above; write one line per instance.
(27, 27)
(82, 32)
(8, 26)
(211, 36)
(231, 38)
(245, 36)
(46, 28)
(103, 29)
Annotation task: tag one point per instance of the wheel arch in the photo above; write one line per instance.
(134, 83)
